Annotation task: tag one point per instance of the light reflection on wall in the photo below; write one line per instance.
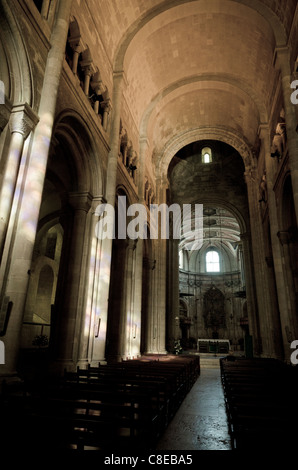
(10, 174)
(35, 177)
(102, 294)
(89, 314)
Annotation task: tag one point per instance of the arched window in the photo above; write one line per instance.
(206, 155)
(212, 262)
(181, 259)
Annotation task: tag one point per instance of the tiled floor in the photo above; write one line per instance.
(201, 422)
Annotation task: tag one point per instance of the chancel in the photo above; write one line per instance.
(112, 108)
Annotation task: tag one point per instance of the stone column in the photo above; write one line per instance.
(90, 330)
(290, 330)
(21, 247)
(260, 268)
(106, 105)
(277, 322)
(70, 311)
(77, 47)
(106, 244)
(45, 9)
(128, 323)
(241, 265)
(114, 139)
(283, 61)
(88, 71)
(147, 301)
(22, 122)
(158, 341)
(173, 332)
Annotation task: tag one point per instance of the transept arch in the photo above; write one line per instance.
(15, 62)
(71, 130)
(222, 134)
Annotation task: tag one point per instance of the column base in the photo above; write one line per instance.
(160, 353)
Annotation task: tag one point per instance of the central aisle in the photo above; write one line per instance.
(201, 421)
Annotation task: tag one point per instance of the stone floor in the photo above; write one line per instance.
(201, 422)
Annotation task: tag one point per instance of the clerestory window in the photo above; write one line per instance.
(212, 262)
(206, 155)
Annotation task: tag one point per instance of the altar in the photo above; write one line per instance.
(206, 345)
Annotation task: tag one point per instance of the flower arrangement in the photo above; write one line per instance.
(177, 347)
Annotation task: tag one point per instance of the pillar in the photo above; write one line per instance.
(45, 9)
(158, 322)
(252, 309)
(147, 300)
(280, 317)
(290, 331)
(92, 326)
(106, 112)
(78, 47)
(88, 71)
(129, 323)
(106, 243)
(70, 311)
(173, 331)
(22, 244)
(283, 61)
(260, 269)
(22, 121)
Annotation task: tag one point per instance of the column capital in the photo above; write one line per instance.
(77, 44)
(106, 105)
(80, 201)
(96, 201)
(22, 119)
(88, 67)
(282, 60)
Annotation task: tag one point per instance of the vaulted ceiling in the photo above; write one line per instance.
(188, 65)
(194, 69)
(194, 64)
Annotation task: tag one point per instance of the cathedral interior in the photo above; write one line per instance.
(125, 106)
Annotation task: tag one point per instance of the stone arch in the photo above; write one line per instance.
(43, 279)
(15, 62)
(72, 132)
(222, 134)
(183, 307)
